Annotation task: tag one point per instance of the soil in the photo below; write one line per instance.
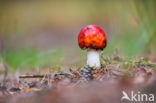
(84, 85)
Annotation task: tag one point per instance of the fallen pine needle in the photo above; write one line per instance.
(31, 89)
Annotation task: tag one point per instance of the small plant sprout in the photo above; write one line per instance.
(92, 38)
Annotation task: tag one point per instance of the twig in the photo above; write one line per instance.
(35, 76)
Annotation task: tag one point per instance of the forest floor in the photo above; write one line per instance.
(83, 85)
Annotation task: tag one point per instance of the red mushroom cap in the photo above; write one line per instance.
(92, 36)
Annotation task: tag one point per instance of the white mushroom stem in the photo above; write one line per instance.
(93, 58)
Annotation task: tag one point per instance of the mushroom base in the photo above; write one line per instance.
(93, 58)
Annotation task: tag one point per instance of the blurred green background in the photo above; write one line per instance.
(44, 33)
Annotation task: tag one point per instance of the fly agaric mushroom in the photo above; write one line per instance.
(92, 38)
